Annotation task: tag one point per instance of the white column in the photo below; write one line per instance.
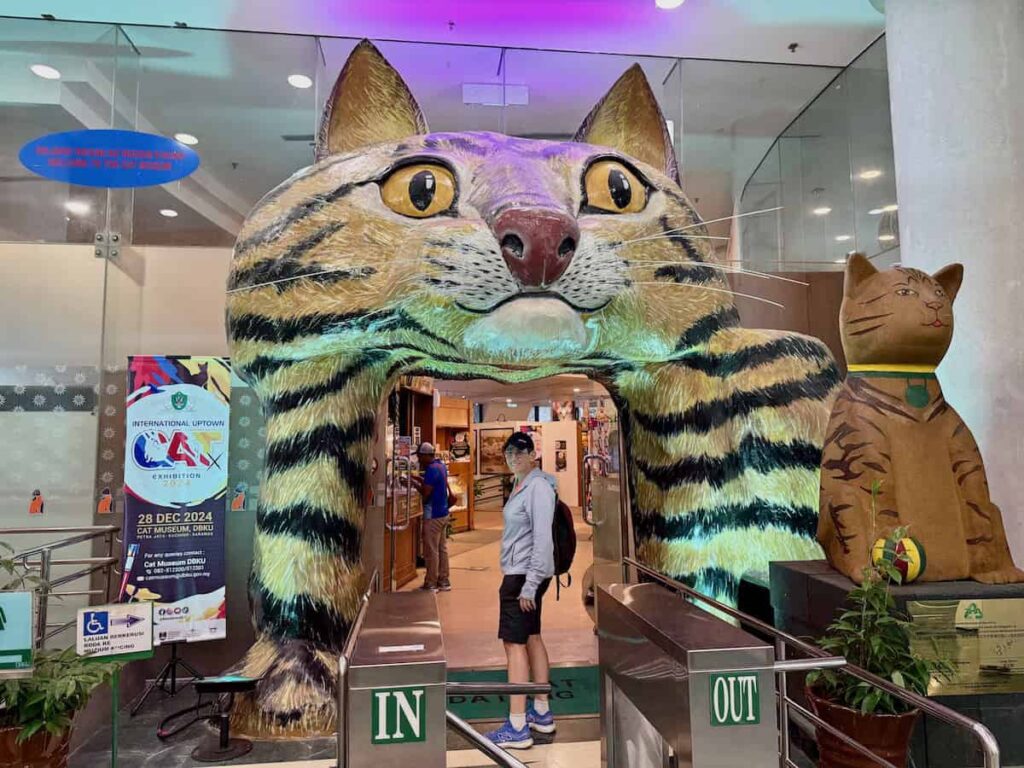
(956, 79)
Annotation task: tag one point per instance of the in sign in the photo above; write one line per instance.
(399, 715)
(735, 699)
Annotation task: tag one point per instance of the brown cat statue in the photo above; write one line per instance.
(890, 424)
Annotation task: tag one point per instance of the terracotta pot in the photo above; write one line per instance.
(888, 736)
(41, 751)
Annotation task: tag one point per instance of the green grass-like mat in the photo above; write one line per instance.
(574, 691)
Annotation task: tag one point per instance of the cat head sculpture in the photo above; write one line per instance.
(898, 316)
(478, 254)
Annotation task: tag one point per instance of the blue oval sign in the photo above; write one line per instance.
(109, 158)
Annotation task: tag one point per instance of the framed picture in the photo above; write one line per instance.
(560, 445)
(490, 458)
(560, 461)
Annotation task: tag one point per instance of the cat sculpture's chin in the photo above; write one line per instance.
(529, 328)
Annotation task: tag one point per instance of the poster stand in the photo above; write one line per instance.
(169, 672)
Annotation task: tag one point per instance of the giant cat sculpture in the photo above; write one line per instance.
(478, 255)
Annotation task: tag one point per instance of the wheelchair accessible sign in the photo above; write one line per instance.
(119, 632)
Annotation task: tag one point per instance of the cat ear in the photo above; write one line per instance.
(629, 119)
(950, 278)
(370, 103)
(858, 269)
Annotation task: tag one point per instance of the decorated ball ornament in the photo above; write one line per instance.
(905, 554)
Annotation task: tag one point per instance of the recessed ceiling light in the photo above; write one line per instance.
(842, 238)
(823, 211)
(841, 261)
(170, 213)
(77, 207)
(668, 4)
(45, 72)
(513, 405)
(887, 238)
(299, 81)
(872, 173)
(576, 389)
(876, 211)
(186, 138)
(891, 208)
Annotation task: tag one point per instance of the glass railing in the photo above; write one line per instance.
(827, 185)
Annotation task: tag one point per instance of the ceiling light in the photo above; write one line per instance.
(186, 138)
(513, 405)
(841, 261)
(891, 208)
(45, 72)
(668, 4)
(873, 173)
(77, 207)
(170, 213)
(823, 211)
(887, 238)
(299, 81)
(576, 390)
(876, 211)
(842, 238)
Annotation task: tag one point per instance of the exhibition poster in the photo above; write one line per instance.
(175, 487)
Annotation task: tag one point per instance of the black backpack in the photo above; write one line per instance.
(563, 534)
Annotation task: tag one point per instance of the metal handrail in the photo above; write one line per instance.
(41, 557)
(481, 742)
(341, 717)
(508, 689)
(989, 745)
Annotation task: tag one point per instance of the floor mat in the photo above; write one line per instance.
(574, 691)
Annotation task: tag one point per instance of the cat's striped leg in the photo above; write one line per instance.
(307, 576)
(724, 452)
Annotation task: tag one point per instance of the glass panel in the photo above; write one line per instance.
(436, 75)
(69, 88)
(837, 177)
(562, 88)
(231, 92)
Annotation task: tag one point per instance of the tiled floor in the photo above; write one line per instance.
(582, 754)
(469, 613)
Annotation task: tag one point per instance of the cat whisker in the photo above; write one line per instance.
(703, 224)
(724, 268)
(314, 275)
(714, 290)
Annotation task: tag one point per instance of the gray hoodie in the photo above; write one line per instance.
(526, 544)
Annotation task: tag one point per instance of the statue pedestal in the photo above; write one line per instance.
(973, 624)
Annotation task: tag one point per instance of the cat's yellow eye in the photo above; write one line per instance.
(939, 293)
(419, 191)
(610, 186)
(906, 292)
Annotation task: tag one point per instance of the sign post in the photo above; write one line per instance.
(115, 633)
(15, 634)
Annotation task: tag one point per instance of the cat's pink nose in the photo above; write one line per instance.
(537, 244)
(936, 305)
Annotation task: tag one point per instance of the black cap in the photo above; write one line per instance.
(520, 441)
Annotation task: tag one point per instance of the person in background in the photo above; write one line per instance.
(433, 487)
(527, 565)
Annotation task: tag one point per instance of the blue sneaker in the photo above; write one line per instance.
(541, 723)
(508, 737)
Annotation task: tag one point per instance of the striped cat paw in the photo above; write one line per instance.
(296, 692)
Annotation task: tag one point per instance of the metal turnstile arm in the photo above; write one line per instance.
(508, 689)
(478, 740)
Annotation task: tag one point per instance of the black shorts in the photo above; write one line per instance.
(514, 624)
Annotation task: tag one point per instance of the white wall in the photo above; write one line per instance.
(551, 433)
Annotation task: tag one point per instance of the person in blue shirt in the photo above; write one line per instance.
(433, 487)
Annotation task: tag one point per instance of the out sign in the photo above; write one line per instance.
(735, 699)
(399, 715)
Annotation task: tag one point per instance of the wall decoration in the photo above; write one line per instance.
(560, 461)
(36, 505)
(326, 320)
(176, 472)
(897, 454)
(490, 451)
(562, 410)
(105, 504)
(560, 445)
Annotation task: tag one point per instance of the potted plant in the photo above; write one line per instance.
(37, 713)
(872, 635)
